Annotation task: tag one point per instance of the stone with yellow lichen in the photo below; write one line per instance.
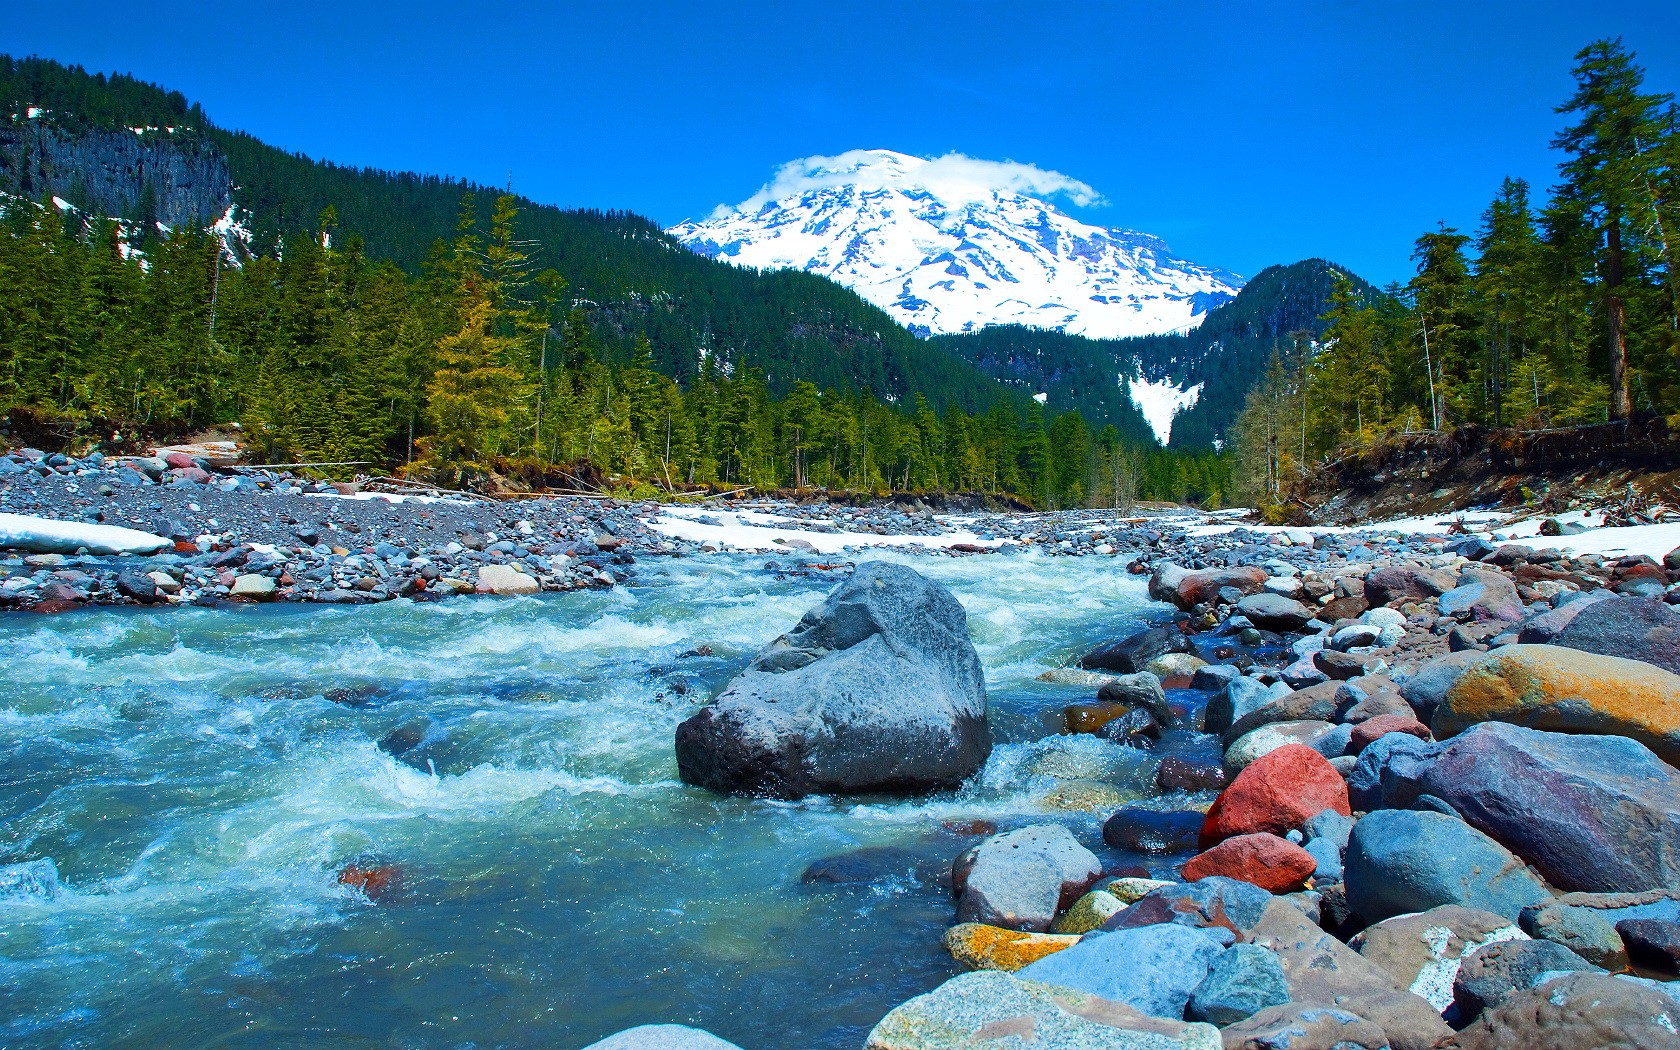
(1130, 891)
(1088, 912)
(981, 947)
(1087, 796)
(1566, 690)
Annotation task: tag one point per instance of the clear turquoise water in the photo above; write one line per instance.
(199, 795)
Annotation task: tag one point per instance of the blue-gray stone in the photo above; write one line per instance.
(1243, 981)
(1595, 813)
(1402, 861)
(1388, 771)
(1152, 969)
(1215, 901)
(1329, 858)
(1492, 973)
(1328, 824)
(1240, 697)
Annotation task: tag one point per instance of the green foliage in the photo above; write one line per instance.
(529, 340)
(1565, 315)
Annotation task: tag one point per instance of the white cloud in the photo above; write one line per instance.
(954, 177)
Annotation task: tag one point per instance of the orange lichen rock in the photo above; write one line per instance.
(981, 947)
(1569, 691)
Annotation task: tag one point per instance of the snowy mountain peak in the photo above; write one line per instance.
(955, 243)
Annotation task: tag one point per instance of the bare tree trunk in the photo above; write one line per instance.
(1621, 402)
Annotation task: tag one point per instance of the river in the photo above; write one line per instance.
(202, 776)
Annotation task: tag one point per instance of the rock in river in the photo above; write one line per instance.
(876, 689)
(1020, 879)
(662, 1037)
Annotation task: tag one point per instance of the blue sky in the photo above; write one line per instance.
(1244, 134)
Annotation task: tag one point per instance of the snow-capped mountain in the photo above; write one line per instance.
(955, 244)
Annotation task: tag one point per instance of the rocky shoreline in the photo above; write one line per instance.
(1447, 813)
(244, 534)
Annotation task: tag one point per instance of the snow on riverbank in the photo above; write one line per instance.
(24, 532)
(1654, 541)
(760, 531)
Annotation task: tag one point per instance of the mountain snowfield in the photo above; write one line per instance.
(956, 244)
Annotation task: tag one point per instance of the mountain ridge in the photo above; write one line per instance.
(955, 244)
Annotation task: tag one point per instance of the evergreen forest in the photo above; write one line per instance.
(1558, 310)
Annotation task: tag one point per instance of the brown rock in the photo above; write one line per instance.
(1576, 1012)
(1382, 725)
(1090, 717)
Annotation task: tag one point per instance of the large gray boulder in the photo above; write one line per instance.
(1589, 812)
(1274, 612)
(876, 689)
(990, 1010)
(1577, 1011)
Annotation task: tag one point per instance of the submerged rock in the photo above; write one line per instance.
(877, 689)
(29, 880)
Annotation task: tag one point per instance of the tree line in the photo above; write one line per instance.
(1556, 312)
(481, 364)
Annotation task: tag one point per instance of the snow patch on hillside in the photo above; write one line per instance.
(1160, 401)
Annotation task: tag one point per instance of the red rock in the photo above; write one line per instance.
(374, 880)
(1276, 793)
(1267, 861)
(183, 547)
(1372, 728)
(1203, 585)
(179, 460)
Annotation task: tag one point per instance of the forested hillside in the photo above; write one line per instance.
(631, 279)
(1556, 311)
(419, 323)
(1225, 354)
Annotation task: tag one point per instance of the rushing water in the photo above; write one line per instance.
(200, 794)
